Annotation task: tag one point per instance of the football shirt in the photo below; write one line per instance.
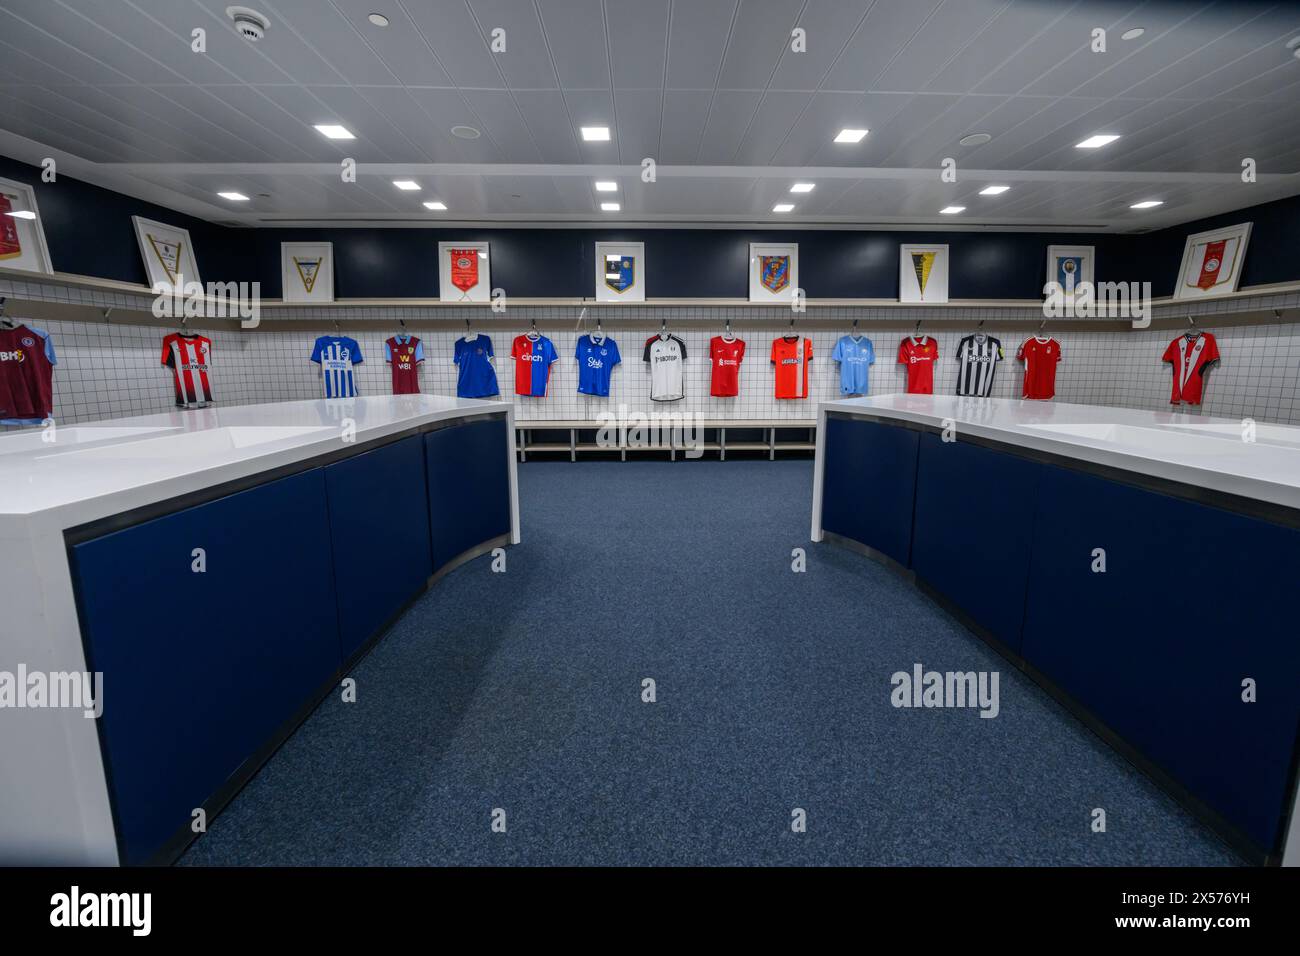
(1190, 356)
(919, 355)
(336, 354)
(404, 353)
(188, 357)
(476, 376)
(596, 360)
(855, 355)
(1040, 357)
(791, 355)
(726, 356)
(666, 355)
(977, 356)
(26, 375)
(533, 358)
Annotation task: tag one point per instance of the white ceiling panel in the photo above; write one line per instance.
(113, 87)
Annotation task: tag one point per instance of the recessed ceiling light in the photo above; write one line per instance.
(974, 139)
(1132, 34)
(406, 185)
(1096, 141)
(22, 214)
(595, 134)
(1147, 204)
(1294, 42)
(378, 19)
(610, 207)
(604, 186)
(234, 197)
(783, 207)
(436, 206)
(993, 190)
(951, 210)
(465, 132)
(802, 187)
(850, 135)
(334, 131)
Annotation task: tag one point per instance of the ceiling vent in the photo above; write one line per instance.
(249, 24)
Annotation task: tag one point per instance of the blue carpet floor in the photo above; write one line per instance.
(522, 691)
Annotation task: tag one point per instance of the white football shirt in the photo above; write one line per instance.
(666, 355)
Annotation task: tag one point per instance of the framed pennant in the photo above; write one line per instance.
(1212, 262)
(773, 271)
(307, 271)
(168, 254)
(1069, 267)
(22, 237)
(620, 272)
(464, 272)
(922, 273)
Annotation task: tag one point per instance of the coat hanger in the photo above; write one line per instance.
(726, 331)
(532, 329)
(469, 330)
(917, 331)
(855, 328)
(336, 327)
(663, 327)
(1193, 332)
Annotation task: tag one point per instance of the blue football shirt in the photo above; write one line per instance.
(855, 355)
(336, 354)
(596, 361)
(476, 377)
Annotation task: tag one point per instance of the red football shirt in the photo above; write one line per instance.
(791, 355)
(188, 357)
(404, 353)
(1190, 358)
(919, 355)
(1040, 357)
(726, 357)
(26, 376)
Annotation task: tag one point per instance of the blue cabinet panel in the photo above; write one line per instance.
(469, 486)
(1193, 600)
(973, 528)
(200, 670)
(868, 484)
(379, 525)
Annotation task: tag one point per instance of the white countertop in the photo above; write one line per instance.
(92, 470)
(1193, 449)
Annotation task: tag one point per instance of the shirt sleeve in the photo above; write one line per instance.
(772, 358)
(1211, 349)
(838, 352)
(1020, 352)
(514, 347)
(1171, 352)
(646, 355)
(808, 348)
(388, 352)
(902, 352)
(487, 345)
(681, 344)
(871, 353)
(740, 356)
(315, 352)
(166, 351)
(357, 357)
(419, 351)
(48, 341)
(998, 356)
(551, 353)
(614, 357)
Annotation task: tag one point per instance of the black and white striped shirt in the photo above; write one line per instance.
(977, 356)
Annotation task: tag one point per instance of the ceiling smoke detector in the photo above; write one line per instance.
(249, 24)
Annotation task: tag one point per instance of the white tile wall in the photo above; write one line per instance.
(109, 370)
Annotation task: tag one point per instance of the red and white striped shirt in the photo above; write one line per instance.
(188, 356)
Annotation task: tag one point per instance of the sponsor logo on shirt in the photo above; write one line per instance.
(593, 362)
(15, 356)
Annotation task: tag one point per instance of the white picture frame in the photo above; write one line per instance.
(1069, 267)
(923, 279)
(624, 281)
(770, 279)
(307, 272)
(1208, 269)
(479, 267)
(22, 236)
(168, 255)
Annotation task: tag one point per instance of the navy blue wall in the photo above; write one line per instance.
(89, 233)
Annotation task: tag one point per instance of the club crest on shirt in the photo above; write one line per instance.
(28, 341)
(775, 272)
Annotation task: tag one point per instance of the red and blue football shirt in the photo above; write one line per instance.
(533, 355)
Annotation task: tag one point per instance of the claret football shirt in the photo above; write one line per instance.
(404, 353)
(26, 375)
(726, 356)
(189, 357)
(919, 355)
(1040, 357)
(596, 360)
(666, 355)
(791, 355)
(533, 355)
